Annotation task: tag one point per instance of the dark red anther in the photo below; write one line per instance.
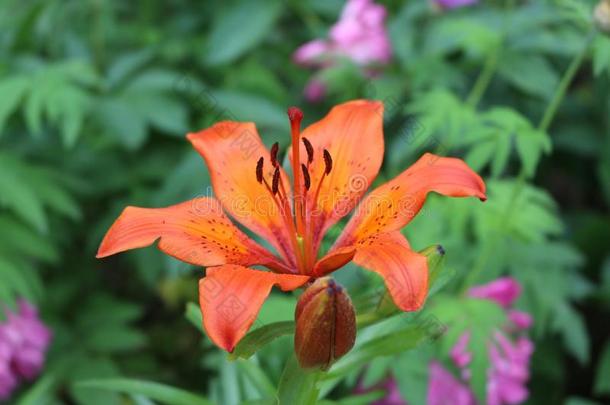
(259, 169)
(306, 177)
(328, 161)
(276, 181)
(309, 150)
(273, 154)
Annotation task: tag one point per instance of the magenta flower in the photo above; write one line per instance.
(504, 291)
(445, 389)
(509, 354)
(448, 4)
(24, 340)
(359, 35)
(509, 370)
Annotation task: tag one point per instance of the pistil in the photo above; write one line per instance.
(296, 116)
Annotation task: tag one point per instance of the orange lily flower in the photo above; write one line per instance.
(333, 161)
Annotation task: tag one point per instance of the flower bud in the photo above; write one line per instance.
(601, 15)
(325, 324)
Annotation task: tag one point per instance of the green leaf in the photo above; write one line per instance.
(452, 34)
(12, 90)
(385, 345)
(15, 279)
(163, 112)
(258, 338)
(122, 122)
(580, 401)
(532, 74)
(18, 196)
(193, 315)
(247, 107)
(575, 336)
(126, 65)
(59, 91)
(297, 386)
(531, 144)
(159, 392)
(54, 196)
(258, 377)
(81, 367)
(24, 242)
(361, 399)
(114, 338)
(38, 394)
(601, 55)
(602, 375)
(239, 28)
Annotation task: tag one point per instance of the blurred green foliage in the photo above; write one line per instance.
(95, 99)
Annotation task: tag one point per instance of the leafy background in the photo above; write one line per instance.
(95, 99)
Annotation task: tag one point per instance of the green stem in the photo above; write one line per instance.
(560, 93)
(545, 122)
(484, 79)
(491, 63)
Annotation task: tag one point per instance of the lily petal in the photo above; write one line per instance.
(353, 134)
(404, 271)
(392, 205)
(195, 231)
(231, 151)
(231, 296)
(334, 260)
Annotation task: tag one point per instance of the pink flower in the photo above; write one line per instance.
(312, 53)
(8, 382)
(521, 320)
(509, 370)
(459, 354)
(504, 291)
(359, 35)
(448, 4)
(445, 389)
(23, 342)
(509, 354)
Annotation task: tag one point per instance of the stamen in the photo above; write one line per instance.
(259, 170)
(282, 205)
(306, 177)
(273, 155)
(309, 149)
(276, 181)
(328, 161)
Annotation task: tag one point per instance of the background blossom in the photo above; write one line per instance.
(359, 35)
(24, 340)
(509, 351)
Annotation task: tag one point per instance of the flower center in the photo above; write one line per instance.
(299, 221)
